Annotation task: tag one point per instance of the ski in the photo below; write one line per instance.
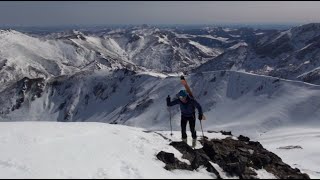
(187, 87)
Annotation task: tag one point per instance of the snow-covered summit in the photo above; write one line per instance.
(98, 150)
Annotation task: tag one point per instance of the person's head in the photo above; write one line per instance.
(183, 96)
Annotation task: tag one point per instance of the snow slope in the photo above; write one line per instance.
(99, 150)
(306, 158)
(84, 150)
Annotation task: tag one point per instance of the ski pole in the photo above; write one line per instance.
(170, 120)
(201, 129)
(204, 137)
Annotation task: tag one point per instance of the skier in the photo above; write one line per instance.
(187, 107)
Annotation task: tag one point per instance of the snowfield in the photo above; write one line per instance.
(100, 150)
(84, 150)
(305, 156)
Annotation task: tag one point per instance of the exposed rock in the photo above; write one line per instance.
(196, 157)
(172, 162)
(210, 131)
(243, 138)
(235, 157)
(290, 147)
(32, 88)
(226, 133)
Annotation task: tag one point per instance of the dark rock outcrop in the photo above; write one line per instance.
(33, 87)
(196, 157)
(243, 138)
(172, 162)
(226, 133)
(236, 157)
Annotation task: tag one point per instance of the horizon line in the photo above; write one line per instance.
(161, 24)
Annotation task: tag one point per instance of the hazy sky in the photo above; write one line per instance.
(141, 12)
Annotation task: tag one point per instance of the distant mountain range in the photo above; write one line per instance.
(121, 75)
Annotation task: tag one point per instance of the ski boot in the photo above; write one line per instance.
(194, 143)
(185, 140)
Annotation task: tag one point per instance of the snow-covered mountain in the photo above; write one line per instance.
(290, 54)
(23, 55)
(141, 47)
(138, 99)
(248, 81)
(152, 48)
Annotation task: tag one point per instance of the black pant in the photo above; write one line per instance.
(192, 124)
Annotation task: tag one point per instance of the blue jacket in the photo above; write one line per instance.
(188, 108)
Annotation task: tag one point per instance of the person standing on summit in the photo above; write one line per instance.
(187, 107)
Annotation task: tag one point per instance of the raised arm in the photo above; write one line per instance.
(172, 103)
